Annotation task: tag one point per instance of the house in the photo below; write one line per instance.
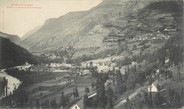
(117, 69)
(25, 67)
(122, 70)
(78, 105)
(55, 65)
(111, 69)
(113, 64)
(152, 88)
(92, 95)
(109, 81)
(75, 107)
(66, 65)
(40, 68)
(61, 71)
(85, 64)
(103, 68)
(166, 61)
(85, 72)
(134, 63)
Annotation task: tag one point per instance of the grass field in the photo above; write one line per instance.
(29, 78)
(49, 85)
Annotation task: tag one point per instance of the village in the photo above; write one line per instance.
(117, 55)
(144, 73)
(80, 83)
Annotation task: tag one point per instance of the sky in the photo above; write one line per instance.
(20, 16)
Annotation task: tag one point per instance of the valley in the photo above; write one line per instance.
(118, 55)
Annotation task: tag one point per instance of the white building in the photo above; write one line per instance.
(152, 88)
(55, 65)
(122, 70)
(85, 72)
(24, 67)
(75, 107)
(103, 68)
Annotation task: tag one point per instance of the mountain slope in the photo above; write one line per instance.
(30, 32)
(107, 28)
(13, 38)
(13, 55)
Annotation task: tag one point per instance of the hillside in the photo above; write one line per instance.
(114, 27)
(13, 38)
(13, 55)
(30, 32)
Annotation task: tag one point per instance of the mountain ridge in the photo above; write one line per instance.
(13, 55)
(13, 38)
(87, 31)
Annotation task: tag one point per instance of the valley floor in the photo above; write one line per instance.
(48, 86)
(40, 88)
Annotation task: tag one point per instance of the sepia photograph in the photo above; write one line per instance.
(91, 54)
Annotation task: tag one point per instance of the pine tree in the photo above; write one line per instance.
(120, 83)
(86, 90)
(37, 104)
(109, 98)
(178, 73)
(100, 93)
(85, 101)
(75, 92)
(62, 99)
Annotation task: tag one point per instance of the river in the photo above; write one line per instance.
(12, 81)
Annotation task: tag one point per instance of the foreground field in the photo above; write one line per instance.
(48, 86)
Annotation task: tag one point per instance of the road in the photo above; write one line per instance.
(130, 96)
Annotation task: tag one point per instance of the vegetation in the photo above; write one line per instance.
(29, 78)
(120, 83)
(13, 55)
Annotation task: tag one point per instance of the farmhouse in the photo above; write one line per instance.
(103, 68)
(152, 88)
(25, 67)
(75, 107)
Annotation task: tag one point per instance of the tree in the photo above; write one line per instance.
(162, 55)
(37, 104)
(75, 92)
(66, 101)
(110, 96)
(54, 104)
(127, 104)
(178, 73)
(91, 64)
(131, 81)
(86, 90)
(62, 103)
(31, 104)
(92, 85)
(178, 101)
(85, 101)
(100, 93)
(120, 83)
(4, 86)
(175, 54)
(47, 104)
(158, 100)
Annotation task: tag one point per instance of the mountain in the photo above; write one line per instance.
(13, 38)
(30, 32)
(13, 55)
(114, 27)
